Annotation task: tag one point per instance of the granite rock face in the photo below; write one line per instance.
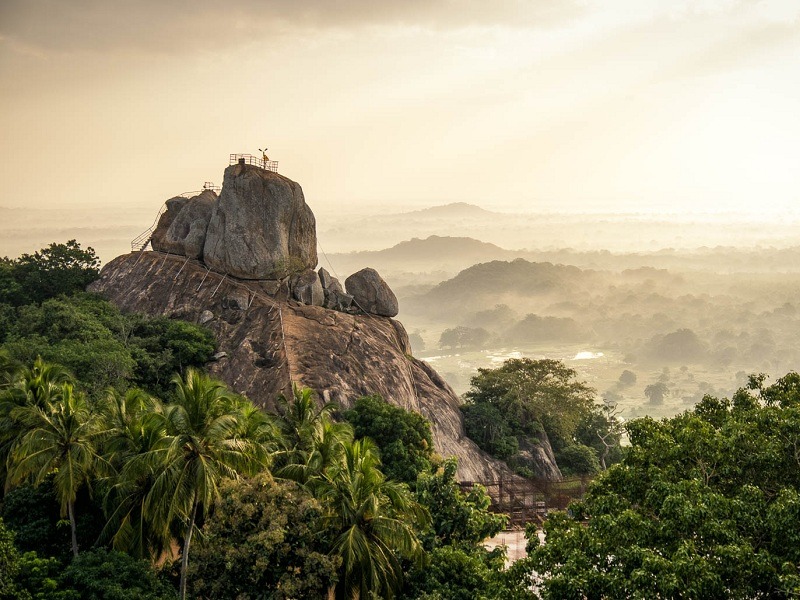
(184, 230)
(335, 297)
(174, 206)
(274, 342)
(261, 227)
(371, 293)
(306, 288)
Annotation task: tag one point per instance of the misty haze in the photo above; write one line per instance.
(423, 300)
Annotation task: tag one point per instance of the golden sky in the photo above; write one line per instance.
(534, 105)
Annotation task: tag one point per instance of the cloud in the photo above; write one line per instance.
(155, 26)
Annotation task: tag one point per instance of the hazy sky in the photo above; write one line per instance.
(600, 105)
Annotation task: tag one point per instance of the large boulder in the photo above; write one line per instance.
(261, 227)
(371, 293)
(174, 207)
(184, 231)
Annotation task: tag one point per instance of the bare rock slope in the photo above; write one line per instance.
(272, 341)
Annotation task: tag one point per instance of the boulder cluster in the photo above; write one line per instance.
(260, 228)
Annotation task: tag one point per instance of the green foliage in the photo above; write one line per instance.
(373, 522)
(601, 430)
(136, 429)
(534, 394)
(403, 437)
(55, 270)
(458, 574)
(577, 459)
(524, 401)
(310, 441)
(457, 518)
(38, 578)
(101, 574)
(162, 347)
(9, 564)
(34, 514)
(703, 505)
(204, 445)
(58, 439)
(487, 426)
(104, 348)
(264, 540)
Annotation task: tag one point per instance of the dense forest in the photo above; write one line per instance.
(130, 473)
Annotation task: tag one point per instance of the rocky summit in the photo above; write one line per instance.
(243, 265)
(259, 227)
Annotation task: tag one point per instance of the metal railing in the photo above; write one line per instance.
(526, 500)
(141, 241)
(249, 159)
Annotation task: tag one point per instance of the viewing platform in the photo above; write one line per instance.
(249, 159)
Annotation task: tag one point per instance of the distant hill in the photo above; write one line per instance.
(431, 249)
(484, 285)
(443, 256)
(454, 210)
(518, 276)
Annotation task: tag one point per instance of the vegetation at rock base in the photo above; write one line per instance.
(117, 454)
(264, 535)
(58, 269)
(704, 505)
(113, 445)
(404, 437)
(531, 400)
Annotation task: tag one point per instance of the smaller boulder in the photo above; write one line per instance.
(326, 279)
(371, 293)
(174, 207)
(205, 317)
(338, 300)
(236, 301)
(186, 233)
(306, 288)
(335, 298)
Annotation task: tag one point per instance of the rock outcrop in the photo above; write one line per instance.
(335, 296)
(182, 228)
(307, 288)
(371, 293)
(539, 458)
(279, 322)
(261, 227)
(267, 342)
(174, 206)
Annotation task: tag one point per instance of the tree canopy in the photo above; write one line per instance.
(403, 437)
(703, 505)
(47, 273)
(527, 399)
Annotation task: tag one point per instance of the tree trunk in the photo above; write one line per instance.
(71, 513)
(187, 540)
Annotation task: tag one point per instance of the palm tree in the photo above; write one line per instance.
(300, 422)
(203, 445)
(136, 426)
(8, 369)
(374, 520)
(59, 437)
